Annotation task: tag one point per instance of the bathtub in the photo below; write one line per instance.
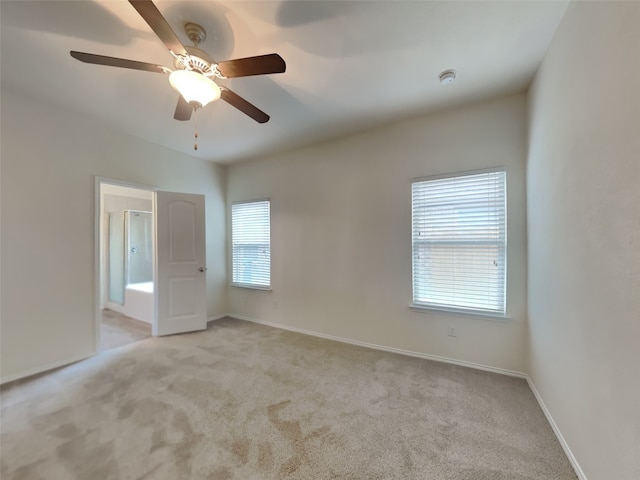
(138, 302)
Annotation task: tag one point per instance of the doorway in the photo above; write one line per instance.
(126, 263)
(134, 222)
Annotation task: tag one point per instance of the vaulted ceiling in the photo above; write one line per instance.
(351, 65)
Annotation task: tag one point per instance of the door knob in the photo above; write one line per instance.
(202, 269)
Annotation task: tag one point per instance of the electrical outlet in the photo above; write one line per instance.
(452, 332)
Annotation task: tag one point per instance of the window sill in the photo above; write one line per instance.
(251, 287)
(460, 313)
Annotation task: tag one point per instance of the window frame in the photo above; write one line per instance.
(425, 307)
(250, 286)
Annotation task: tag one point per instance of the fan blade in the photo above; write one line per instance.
(118, 62)
(245, 107)
(159, 25)
(183, 110)
(245, 67)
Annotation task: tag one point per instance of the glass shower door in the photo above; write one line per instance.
(116, 257)
(139, 263)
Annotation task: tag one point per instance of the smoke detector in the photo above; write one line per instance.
(447, 77)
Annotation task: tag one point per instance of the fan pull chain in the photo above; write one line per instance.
(195, 132)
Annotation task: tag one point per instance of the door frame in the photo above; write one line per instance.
(98, 244)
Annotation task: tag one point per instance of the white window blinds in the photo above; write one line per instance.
(459, 242)
(251, 244)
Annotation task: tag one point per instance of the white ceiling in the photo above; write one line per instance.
(350, 65)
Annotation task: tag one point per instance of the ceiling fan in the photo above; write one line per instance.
(194, 69)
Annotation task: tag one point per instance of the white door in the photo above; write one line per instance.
(181, 264)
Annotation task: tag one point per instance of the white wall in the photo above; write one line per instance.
(341, 233)
(49, 160)
(584, 236)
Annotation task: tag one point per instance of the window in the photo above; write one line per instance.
(459, 242)
(251, 244)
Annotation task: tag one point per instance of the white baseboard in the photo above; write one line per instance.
(556, 430)
(44, 368)
(219, 317)
(453, 361)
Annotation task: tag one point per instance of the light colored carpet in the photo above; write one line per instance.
(244, 401)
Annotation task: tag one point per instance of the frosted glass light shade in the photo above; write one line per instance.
(194, 87)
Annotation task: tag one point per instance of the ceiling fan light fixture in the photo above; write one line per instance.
(194, 87)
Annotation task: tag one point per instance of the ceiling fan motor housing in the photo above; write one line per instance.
(198, 60)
